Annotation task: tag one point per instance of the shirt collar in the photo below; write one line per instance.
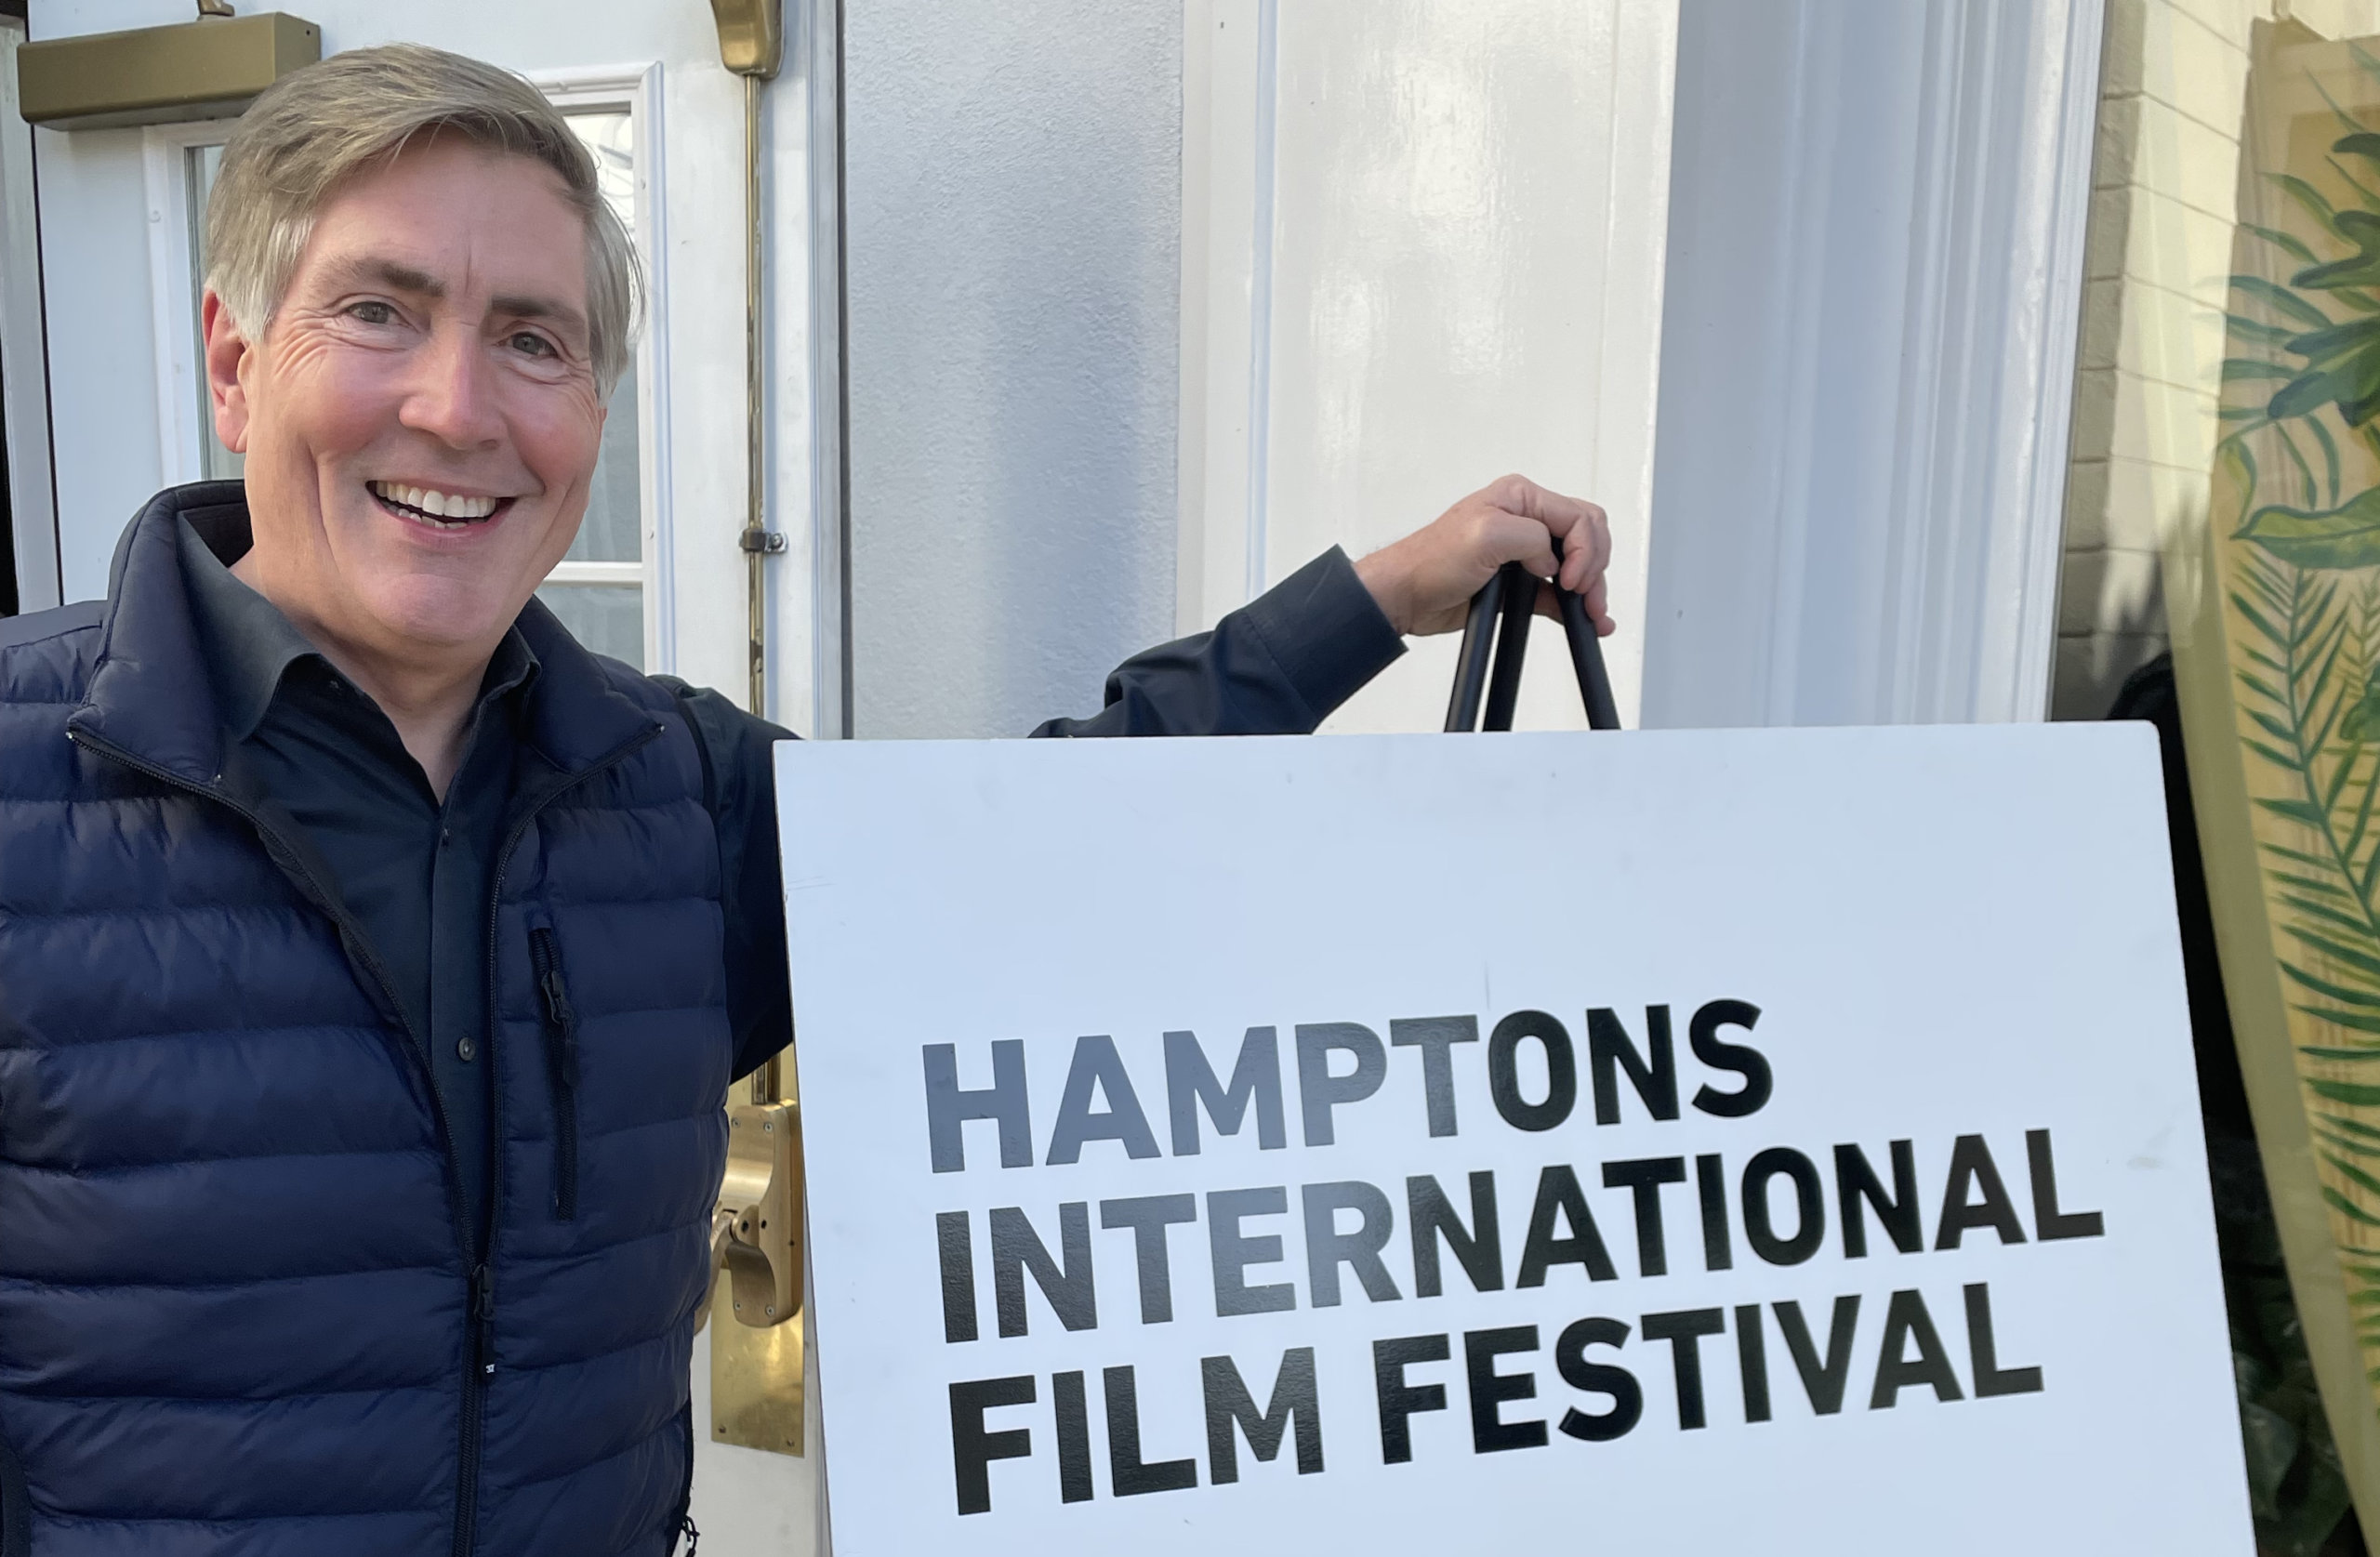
(249, 646)
(245, 641)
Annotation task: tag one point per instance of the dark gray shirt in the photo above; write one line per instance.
(411, 871)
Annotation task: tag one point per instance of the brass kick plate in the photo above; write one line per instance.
(210, 69)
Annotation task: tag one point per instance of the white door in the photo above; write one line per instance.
(657, 577)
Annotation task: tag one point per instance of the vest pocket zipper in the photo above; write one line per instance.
(15, 1507)
(561, 1064)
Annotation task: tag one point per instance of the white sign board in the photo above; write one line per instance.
(1776, 1140)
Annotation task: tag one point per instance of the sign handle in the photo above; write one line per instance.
(1500, 620)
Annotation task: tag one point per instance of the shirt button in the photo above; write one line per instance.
(445, 837)
(466, 1050)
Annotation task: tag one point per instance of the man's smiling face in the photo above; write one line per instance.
(421, 418)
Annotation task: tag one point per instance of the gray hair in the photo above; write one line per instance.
(320, 127)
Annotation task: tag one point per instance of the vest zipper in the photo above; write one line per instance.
(474, 1403)
(482, 1323)
(481, 1294)
(561, 1064)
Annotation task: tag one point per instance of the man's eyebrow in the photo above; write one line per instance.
(389, 274)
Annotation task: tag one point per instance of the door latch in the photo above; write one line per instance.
(756, 1228)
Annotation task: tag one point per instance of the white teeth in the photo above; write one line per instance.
(439, 506)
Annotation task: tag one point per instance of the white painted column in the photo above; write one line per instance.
(1875, 270)
(1422, 247)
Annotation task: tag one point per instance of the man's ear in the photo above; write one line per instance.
(228, 350)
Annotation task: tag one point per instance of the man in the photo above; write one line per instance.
(374, 961)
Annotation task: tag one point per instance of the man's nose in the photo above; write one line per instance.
(451, 396)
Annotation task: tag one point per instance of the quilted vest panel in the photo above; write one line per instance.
(236, 1312)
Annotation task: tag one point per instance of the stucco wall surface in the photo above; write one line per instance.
(1013, 191)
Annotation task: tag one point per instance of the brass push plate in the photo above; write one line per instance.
(210, 69)
(756, 1387)
(756, 1320)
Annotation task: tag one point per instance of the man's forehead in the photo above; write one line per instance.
(440, 278)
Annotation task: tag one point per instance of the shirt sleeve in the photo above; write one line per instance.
(1279, 665)
(739, 774)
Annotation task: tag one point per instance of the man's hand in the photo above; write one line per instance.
(1424, 582)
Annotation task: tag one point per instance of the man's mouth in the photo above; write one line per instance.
(440, 510)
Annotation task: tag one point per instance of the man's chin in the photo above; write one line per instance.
(441, 617)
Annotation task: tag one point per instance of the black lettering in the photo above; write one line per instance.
(1255, 1079)
(2049, 1223)
(1971, 1166)
(1823, 1381)
(1702, 1034)
(1399, 1400)
(1435, 1035)
(1489, 1433)
(956, 1248)
(1479, 1248)
(1710, 1188)
(1016, 1248)
(1603, 1378)
(1296, 1404)
(947, 1107)
(1074, 1437)
(1232, 1254)
(1126, 1472)
(1327, 1249)
(1097, 1063)
(1149, 1216)
(1751, 1360)
(1810, 1231)
(972, 1449)
(1905, 1321)
(1684, 1330)
(1318, 1090)
(1654, 1074)
(1898, 1214)
(1503, 1071)
(1558, 1191)
(1983, 1353)
(1645, 1177)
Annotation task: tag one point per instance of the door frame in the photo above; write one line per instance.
(24, 367)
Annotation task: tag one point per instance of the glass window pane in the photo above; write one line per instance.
(216, 462)
(606, 618)
(613, 529)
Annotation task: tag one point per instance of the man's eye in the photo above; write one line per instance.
(531, 344)
(370, 312)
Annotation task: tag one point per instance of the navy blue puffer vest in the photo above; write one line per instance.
(236, 1312)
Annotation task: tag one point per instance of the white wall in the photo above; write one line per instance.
(1875, 265)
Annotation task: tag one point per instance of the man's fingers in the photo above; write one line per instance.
(1508, 537)
(1584, 527)
(1520, 495)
